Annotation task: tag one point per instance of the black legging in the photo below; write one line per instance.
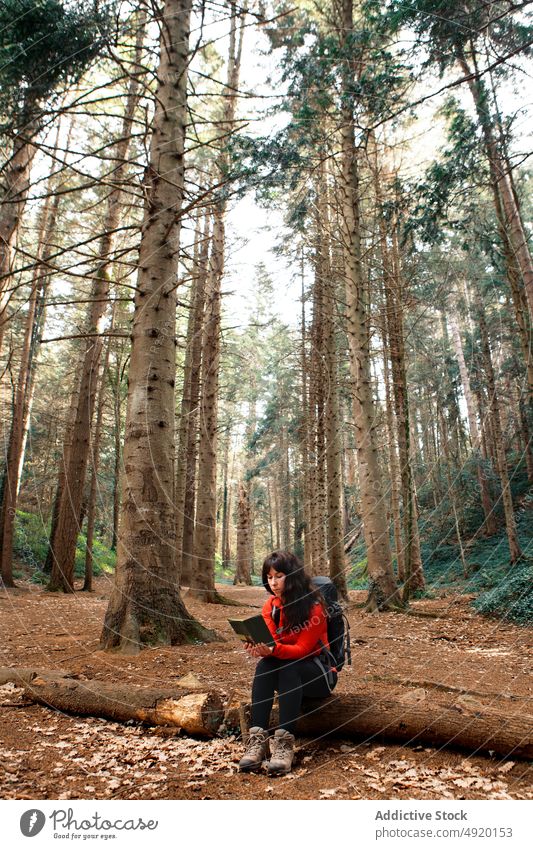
(292, 679)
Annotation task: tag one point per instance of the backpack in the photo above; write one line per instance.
(338, 625)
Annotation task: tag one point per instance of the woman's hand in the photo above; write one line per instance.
(257, 649)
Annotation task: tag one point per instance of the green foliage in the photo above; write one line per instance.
(31, 545)
(451, 176)
(44, 45)
(448, 28)
(490, 572)
(314, 67)
(223, 576)
(31, 540)
(512, 598)
(357, 574)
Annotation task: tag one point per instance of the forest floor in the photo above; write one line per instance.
(49, 755)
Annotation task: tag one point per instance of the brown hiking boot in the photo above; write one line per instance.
(282, 749)
(256, 750)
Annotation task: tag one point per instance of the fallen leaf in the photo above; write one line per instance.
(506, 766)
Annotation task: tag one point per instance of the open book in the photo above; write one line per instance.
(252, 630)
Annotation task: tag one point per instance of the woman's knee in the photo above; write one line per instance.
(289, 675)
(266, 665)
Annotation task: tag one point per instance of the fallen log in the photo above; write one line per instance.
(195, 713)
(415, 719)
(409, 719)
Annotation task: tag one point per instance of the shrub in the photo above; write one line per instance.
(512, 598)
(30, 548)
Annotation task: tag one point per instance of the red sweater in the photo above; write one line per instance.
(305, 641)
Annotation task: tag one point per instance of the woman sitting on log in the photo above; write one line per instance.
(296, 618)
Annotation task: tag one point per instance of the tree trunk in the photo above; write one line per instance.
(501, 460)
(187, 559)
(316, 448)
(284, 488)
(225, 556)
(26, 381)
(11, 481)
(24, 395)
(393, 464)
(14, 191)
(506, 205)
(198, 713)
(243, 562)
(202, 584)
(451, 493)
(488, 510)
(186, 460)
(69, 423)
(146, 605)
(303, 434)
(526, 438)
(413, 575)
(332, 422)
(117, 445)
(383, 590)
(66, 535)
(95, 452)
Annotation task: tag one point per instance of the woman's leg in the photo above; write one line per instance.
(298, 678)
(264, 686)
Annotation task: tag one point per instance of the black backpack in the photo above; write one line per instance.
(338, 625)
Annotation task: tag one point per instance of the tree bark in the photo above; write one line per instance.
(490, 524)
(501, 460)
(95, 452)
(225, 552)
(202, 584)
(416, 718)
(117, 449)
(11, 480)
(189, 505)
(198, 713)
(316, 444)
(243, 560)
(146, 605)
(64, 542)
(187, 436)
(332, 422)
(284, 488)
(383, 590)
(393, 464)
(14, 191)
(303, 433)
(507, 209)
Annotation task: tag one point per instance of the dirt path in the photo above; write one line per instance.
(50, 755)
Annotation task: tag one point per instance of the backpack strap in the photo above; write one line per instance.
(275, 612)
(329, 672)
(347, 646)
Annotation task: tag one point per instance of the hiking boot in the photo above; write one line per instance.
(256, 750)
(282, 752)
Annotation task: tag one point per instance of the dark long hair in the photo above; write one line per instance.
(299, 595)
